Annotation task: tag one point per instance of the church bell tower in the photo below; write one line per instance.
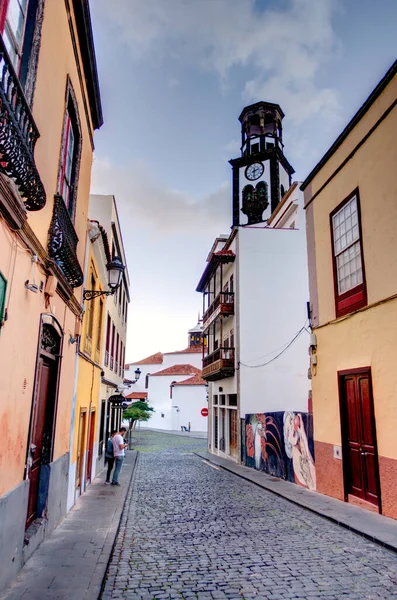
(262, 174)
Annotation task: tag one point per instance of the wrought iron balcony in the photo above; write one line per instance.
(18, 136)
(218, 364)
(222, 305)
(62, 243)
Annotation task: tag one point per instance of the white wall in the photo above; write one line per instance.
(190, 399)
(159, 399)
(273, 291)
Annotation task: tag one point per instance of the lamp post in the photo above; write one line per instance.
(115, 269)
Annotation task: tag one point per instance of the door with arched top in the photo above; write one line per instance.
(43, 413)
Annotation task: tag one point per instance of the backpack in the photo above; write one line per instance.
(109, 448)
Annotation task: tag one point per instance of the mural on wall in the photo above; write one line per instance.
(281, 444)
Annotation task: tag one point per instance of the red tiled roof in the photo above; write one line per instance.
(190, 350)
(136, 396)
(195, 380)
(178, 370)
(225, 253)
(154, 359)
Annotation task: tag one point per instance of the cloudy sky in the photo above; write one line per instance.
(175, 75)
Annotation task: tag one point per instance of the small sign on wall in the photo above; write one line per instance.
(338, 452)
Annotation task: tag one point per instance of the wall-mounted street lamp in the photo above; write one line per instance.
(115, 272)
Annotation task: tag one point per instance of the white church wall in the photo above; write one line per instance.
(190, 399)
(273, 292)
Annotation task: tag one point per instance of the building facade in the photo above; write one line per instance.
(103, 208)
(84, 430)
(350, 201)
(170, 382)
(255, 294)
(50, 107)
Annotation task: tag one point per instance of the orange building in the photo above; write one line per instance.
(351, 209)
(50, 106)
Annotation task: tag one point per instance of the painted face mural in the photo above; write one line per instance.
(278, 444)
(297, 448)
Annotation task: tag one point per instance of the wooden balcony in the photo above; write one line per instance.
(222, 305)
(218, 364)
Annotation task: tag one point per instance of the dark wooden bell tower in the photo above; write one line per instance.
(262, 174)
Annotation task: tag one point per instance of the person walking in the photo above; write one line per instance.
(109, 457)
(119, 453)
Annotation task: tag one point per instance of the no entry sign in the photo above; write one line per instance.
(204, 412)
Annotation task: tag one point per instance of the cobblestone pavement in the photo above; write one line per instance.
(192, 531)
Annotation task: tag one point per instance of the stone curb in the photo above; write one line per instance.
(372, 526)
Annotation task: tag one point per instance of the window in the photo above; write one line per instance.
(89, 316)
(349, 279)
(117, 354)
(108, 329)
(112, 346)
(14, 21)
(99, 334)
(121, 356)
(147, 381)
(3, 290)
(70, 153)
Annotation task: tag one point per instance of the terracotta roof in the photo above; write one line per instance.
(178, 370)
(136, 396)
(225, 253)
(190, 350)
(195, 380)
(154, 359)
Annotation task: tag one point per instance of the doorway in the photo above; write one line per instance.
(81, 450)
(360, 455)
(43, 414)
(90, 448)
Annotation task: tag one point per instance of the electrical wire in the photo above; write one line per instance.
(276, 349)
(302, 329)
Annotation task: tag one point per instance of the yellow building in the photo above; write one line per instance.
(86, 405)
(351, 209)
(50, 106)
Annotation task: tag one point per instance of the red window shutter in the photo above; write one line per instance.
(3, 14)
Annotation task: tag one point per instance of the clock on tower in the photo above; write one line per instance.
(262, 174)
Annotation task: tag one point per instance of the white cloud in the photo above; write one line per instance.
(286, 46)
(149, 202)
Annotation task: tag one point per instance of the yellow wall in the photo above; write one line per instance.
(89, 375)
(368, 338)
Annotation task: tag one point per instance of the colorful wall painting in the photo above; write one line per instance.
(281, 444)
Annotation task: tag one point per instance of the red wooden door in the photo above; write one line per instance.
(37, 433)
(90, 449)
(358, 427)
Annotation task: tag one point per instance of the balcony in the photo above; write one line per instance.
(18, 136)
(218, 364)
(62, 243)
(222, 305)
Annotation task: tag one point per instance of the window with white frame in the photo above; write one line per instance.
(347, 247)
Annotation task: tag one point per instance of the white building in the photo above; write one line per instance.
(103, 208)
(255, 294)
(171, 384)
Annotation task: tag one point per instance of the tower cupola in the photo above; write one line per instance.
(261, 127)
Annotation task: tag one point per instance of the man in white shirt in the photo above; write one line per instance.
(118, 453)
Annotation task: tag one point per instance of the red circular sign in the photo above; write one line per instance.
(204, 412)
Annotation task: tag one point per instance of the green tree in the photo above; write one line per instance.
(139, 411)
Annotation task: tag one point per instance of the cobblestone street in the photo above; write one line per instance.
(191, 530)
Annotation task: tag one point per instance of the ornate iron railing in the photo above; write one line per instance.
(18, 136)
(62, 243)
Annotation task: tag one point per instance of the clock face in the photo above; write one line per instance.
(254, 171)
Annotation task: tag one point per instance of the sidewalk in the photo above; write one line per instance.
(71, 563)
(370, 525)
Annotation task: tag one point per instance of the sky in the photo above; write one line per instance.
(174, 77)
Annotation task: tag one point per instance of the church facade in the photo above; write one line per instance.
(255, 322)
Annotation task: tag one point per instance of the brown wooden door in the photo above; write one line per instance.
(359, 437)
(233, 432)
(90, 449)
(80, 450)
(44, 373)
